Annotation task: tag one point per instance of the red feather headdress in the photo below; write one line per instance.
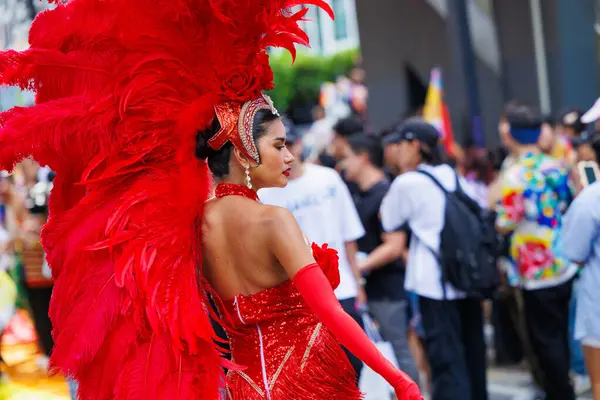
(122, 87)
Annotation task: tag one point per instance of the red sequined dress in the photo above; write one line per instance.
(287, 352)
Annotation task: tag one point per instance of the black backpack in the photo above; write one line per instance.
(468, 249)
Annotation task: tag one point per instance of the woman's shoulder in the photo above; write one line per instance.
(275, 215)
(278, 221)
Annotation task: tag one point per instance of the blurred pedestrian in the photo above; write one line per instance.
(382, 263)
(581, 235)
(535, 193)
(452, 323)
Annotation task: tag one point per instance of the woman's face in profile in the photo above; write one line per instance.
(275, 158)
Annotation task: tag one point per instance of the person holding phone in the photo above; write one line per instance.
(588, 172)
(588, 156)
(581, 233)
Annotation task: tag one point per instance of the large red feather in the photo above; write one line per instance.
(122, 87)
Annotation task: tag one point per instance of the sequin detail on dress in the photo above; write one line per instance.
(302, 359)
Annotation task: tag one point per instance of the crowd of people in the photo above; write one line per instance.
(170, 165)
(385, 211)
(380, 200)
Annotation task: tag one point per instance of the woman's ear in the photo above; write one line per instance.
(240, 158)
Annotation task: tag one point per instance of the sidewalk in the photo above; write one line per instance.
(514, 384)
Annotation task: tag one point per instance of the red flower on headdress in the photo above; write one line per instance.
(241, 84)
(328, 260)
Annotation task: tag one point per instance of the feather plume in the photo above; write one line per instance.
(121, 90)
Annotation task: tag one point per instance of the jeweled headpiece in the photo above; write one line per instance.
(237, 125)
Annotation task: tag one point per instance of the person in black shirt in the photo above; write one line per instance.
(342, 131)
(381, 252)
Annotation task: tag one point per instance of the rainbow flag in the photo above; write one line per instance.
(436, 111)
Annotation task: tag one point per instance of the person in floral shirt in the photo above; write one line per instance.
(535, 193)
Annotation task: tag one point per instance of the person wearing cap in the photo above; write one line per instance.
(325, 211)
(535, 193)
(582, 245)
(452, 323)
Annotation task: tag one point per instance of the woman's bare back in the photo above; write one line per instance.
(236, 253)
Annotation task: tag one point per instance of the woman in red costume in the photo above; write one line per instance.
(136, 247)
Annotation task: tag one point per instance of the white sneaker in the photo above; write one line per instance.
(582, 383)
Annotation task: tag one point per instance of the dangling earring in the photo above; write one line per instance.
(248, 183)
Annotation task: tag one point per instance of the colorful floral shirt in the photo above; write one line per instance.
(535, 193)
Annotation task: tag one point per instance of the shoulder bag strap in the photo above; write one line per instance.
(433, 179)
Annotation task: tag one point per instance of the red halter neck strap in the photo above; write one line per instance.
(232, 189)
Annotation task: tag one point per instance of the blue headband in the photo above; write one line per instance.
(526, 135)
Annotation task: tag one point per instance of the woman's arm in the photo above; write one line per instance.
(392, 249)
(287, 244)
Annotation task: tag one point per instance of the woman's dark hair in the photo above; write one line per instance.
(218, 160)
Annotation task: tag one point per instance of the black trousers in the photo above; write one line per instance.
(507, 343)
(349, 305)
(547, 319)
(455, 348)
(39, 303)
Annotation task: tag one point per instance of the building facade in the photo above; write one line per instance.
(15, 20)
(329, 37)
(516, 44)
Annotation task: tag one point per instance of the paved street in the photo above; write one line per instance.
(513, 384)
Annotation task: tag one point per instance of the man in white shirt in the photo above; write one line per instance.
(324, 209)
(452, 323)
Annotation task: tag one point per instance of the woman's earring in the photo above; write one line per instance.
(248, 183)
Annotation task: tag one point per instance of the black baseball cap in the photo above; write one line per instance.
(414, 129)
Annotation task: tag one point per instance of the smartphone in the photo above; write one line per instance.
(588, 172)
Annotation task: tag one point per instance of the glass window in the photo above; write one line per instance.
(319, 29)
(340, 23)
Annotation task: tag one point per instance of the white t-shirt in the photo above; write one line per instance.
(324, 209)
(415, 199)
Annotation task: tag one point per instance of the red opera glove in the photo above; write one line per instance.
(316, 291)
